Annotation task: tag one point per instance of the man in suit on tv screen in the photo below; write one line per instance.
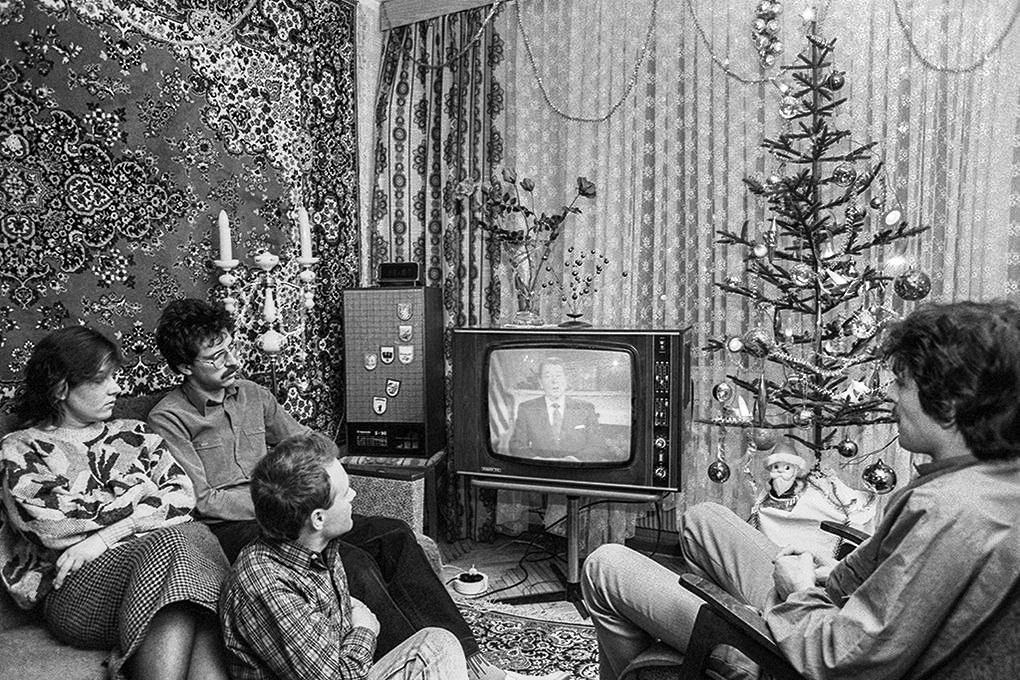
(556, 425)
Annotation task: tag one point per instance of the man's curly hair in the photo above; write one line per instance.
(965, 359)
(185, 325)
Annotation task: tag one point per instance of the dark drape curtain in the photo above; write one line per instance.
(438, 111)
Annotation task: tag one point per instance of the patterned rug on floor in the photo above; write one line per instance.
(532, 646)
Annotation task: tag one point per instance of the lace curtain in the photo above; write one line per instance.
(669, 161)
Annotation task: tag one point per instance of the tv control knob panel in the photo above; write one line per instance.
(662, 408)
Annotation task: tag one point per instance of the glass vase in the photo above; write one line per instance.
(527, 313)
(526, 294)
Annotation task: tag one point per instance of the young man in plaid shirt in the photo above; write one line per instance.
(286, 611)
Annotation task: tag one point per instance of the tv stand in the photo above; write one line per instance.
(571, 581)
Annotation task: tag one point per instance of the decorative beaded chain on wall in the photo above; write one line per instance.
(626, 91)
(723, 64)
(909, 34)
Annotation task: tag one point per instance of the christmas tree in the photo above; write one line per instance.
(810, 365)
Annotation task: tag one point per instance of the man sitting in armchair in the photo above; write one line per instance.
(941, 562)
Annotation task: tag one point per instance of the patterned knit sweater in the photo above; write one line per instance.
(61, 485)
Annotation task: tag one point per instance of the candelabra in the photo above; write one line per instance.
(275, 337)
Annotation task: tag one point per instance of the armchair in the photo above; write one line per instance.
(992, 652)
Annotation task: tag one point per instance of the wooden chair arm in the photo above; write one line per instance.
(845, 532)
(725, 620)
(730, 609)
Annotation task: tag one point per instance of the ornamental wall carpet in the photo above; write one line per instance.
(126, 127)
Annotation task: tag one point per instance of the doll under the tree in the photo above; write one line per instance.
(786, 470)
(796, 499)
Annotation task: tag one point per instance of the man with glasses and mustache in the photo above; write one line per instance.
(219, 426)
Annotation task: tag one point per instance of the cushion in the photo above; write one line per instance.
(137, 407)
(6, 423)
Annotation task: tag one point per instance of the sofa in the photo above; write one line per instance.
(29, 652)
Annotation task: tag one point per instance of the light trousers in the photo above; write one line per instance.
(429, 654)
(634, 601)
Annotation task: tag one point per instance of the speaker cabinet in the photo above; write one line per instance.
(396, 389)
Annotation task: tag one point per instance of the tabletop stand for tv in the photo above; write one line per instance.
(571, 581)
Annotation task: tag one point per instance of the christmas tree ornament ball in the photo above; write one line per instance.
(863, 325)
(722, 392)
(789, 107)
(844, 174)
(763, 438)
(847, 448)
(719, 471)
(837, 79)
(803, 417)
(912, 285)
(879, 477)
(735, 344)
(802, 274)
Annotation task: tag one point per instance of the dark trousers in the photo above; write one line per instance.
(388, 571)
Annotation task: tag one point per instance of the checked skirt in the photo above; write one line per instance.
(110, 602)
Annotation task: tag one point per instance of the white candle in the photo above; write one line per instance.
(269, 306)
(226, 252)
(305, 230)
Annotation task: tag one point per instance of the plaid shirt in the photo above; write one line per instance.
(286, 613)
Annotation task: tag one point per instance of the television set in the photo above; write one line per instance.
(586, 408)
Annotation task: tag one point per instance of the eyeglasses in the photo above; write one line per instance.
(218, 361)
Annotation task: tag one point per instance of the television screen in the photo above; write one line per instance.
(561, 405)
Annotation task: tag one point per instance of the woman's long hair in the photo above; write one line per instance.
(63, 359)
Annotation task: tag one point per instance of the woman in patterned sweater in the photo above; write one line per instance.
(96, 522)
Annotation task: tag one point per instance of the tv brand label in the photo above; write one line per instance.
(491, 469)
